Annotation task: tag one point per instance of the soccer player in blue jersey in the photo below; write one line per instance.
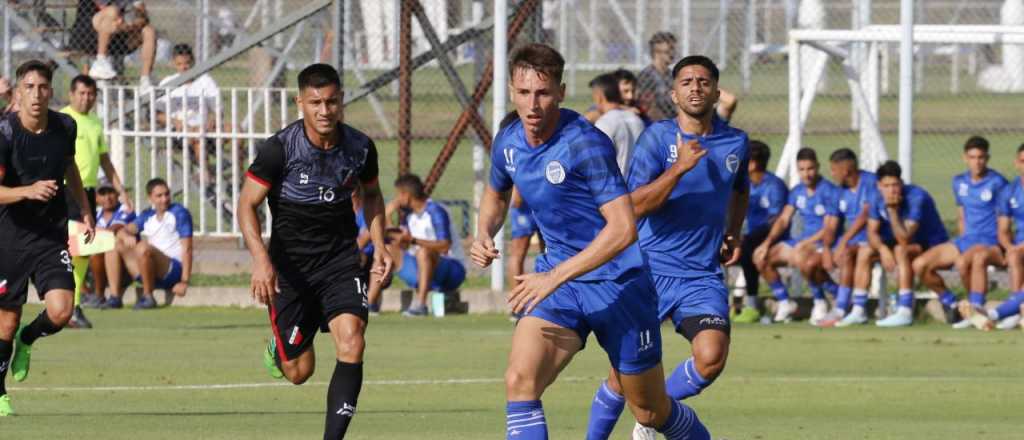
(1011, 236)
(690, 188)
(768, 195)
(592, 276)
(976, 192)
(814, 198)
(856, 190)
(902, 223)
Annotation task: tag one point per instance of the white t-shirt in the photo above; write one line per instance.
(165, 233)
(624, 128)
(187, 99)
(434, 224)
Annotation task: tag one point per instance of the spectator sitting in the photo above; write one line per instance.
(117, 28)
(365, 246)
(430, 255)
(7, 95)
(622, 126)
(112, 216)
(163, 258)
(188, 100)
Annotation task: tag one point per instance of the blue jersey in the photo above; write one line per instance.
(682, 238)
(362, 226)
(917, 207)
(1011, 204)
(121, 217)
(814, 207)
(766, 201)
(978, 200)
(851, 202)
(566, 180)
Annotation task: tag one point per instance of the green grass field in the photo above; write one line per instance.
(196, 374)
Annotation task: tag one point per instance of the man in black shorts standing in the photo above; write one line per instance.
(37, 149)
(310, 277)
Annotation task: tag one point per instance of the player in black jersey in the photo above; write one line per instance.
(37, 149)
(310, 276)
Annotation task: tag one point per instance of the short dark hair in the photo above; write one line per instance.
(696, 60)
(509, 118)
(319, 75)
(1020, 149)
(540, 58)
(155, 182)
(661, 37)
(843, 155)
(890, 168)
(760, 153)
(84, 80)
(412, 184)
(37, 66)
(625, 75)
(105, 189)
(609, 85)
(976, 142)
(182, 49)
(806, 153)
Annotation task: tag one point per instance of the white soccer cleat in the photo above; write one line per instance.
(973, 317)
(856, 317)
(784, 311)
(962, 324)
(102, 69)
(899, 319)
(819, 313)
(641, 432)
(1009, 323)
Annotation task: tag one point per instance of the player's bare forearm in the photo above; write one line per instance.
(960, 220)
(737, 211)
(439, 246)
(252, 196)
(1005, 234)
(874, 237)
(111, 173)
(374, 212)
(858, 223)
(827, 234)
(186, 259)
(648, 198)
(619, 232)
(493, 209)
(779, 225)
(10, 195)
(899, 231)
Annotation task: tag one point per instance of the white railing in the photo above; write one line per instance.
(201, 143)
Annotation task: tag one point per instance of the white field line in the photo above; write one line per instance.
(494, 380)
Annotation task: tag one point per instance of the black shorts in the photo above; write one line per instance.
(48, 268)
(308, 302)
(74, 211)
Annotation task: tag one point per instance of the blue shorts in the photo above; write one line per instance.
(523, 224)
(622, 313)
(448, 275)
(173, 276)
(965, 242)
(681, 298)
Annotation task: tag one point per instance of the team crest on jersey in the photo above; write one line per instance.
(962, 191)
(765, 203)
(732, 163)
(1014, 204)
(554, 172)
(819, 210)
(801, 202)
(884, 214)
(986, 195)
(842, 205)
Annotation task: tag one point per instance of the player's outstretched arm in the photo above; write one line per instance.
(74, 182)
(727, 103)
(264, 280)
(373, 211)
(493, 208)
(618, 233)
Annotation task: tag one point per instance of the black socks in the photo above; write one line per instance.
(342, 394)
(6, 349)
(41, 326)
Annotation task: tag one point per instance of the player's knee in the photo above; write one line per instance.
(919, 265)
(59, 316)
(980, 259)
(350, 349)
(900, 251)
(299, 377)
(709, 361)
(519, 383)
(143, 250)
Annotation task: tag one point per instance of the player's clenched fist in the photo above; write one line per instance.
(42, 190)
(689, 152)
(483, 251)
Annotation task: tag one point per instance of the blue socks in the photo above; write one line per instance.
(831, 287)
(683, 424)
(779, 290)
(947, 298)
(525, 421)
(906, 299)
(860, 297)
(817, 291)
(685, 381)
(1011, 306)
(604, 412)
(976, 298)
(843, 298)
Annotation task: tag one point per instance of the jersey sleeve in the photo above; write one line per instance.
(183, 222)
(791, 198)
(500, 179)
(831, 201)
(742, 180)
(956, 194)
(596, 164)
(268, 167)
(371, 168)
(439, 219)
(1003, 203)
(648, 161)
(777, 196)
(72, 129)
(140, 221)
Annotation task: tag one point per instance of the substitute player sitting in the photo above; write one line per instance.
(814, 198)
(112, 216)
(690, 189)
(852, 254)
(902, 223)
(1011, 236)
(592, 277)
(976, 192)
(430, 251)
(310, 277)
